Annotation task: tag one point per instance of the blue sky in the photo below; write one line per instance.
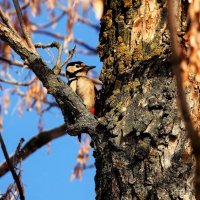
(48, 176)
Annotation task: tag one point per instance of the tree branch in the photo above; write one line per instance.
(24, 6)
(6, 21)
(21, 64)
(34, 144)
(61, 37)
(78, 18)
(177, 57)
(12, 62)
(17, 83)
(11, 168)
(41, 26)
(71, 53)
(21, 21)
(42, 139)
(183, 105)
(57, 68)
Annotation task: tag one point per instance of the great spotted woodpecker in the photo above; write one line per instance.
(76, 73)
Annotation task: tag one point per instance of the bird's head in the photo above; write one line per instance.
(77, 68)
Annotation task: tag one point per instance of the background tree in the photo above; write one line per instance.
(140, 147)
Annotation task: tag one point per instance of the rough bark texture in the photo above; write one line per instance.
(145, 151)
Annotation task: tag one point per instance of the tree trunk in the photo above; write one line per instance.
(144, 152)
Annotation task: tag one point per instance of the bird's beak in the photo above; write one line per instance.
(88, 68)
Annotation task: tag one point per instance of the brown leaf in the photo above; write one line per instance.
(81, 158)
(1, 119)
(98, 7)
(33, 6)
(6, 101)
(85, 5)
(50, 3)
(27, 21)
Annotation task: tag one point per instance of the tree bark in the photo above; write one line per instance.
(145, 153)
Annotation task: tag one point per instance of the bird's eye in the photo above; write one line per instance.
(78, 66)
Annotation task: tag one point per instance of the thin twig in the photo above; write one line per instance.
(78, 18)
(61, 37)
(56, 44)
(18, 83)
(13, 62)
(21, 21)
(6, 21)
(41, 26)
(82, 43)
(11, 168)
(177, 56)
(18, 149)
(20, 64)
(85, 52)
(71, 53)
(34, 144)
(24, 6)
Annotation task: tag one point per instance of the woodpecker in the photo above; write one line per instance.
(83, 86)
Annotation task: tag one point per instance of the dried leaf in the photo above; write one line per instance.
(38, 7)
(66, 42)
(81, 159)
(33, 6)
(50, 3)
(6, 101)
(1, 119)
(77, 173)
(21, 108)
(27, 21)
(85, 5)
(98, 7)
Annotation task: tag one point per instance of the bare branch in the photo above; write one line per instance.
(85, 52)
(173, 33)
(41, 26)
(18, 83)
(18, 149)
(34, 144)
(24, 6)
(12, 62)
(6, 21)
(61, 37)
(177, 57)
(21, 21)
(11, 168)
(192, 133)
(78, 18)
(57, 68)
(71, 53)
(20, 64)
(59, 47)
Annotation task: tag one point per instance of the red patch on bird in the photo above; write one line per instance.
(92, 110)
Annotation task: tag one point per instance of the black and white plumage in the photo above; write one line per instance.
(83, 86)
